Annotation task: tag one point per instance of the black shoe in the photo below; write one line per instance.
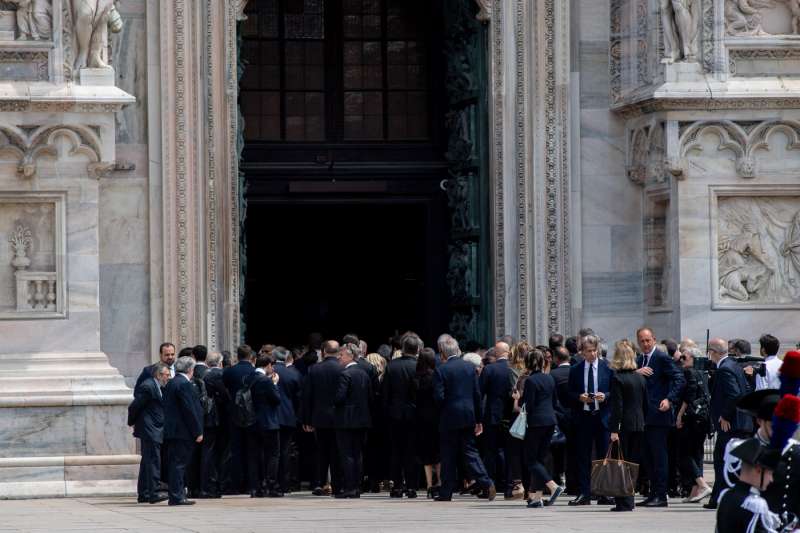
(318, 491)
(489, 493)
(553, 497)
(535, 504)
(274, 494)
(581, 500)
(256, 494)
(657, 502)
(443, 499)
(346, 495)
(142, 499)
(645, 501)
(411, 494)
(619, 509)
(182, 502)
(710, 505)
(158, 499)
(605, 500)
(396, 493)
(472, 489)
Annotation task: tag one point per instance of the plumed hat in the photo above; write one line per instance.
(760, 403)
(752, 452)
(790, 374)
(785, 421)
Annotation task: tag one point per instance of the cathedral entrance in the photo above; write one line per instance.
(362, 170)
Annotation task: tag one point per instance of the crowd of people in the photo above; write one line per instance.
(347, 421)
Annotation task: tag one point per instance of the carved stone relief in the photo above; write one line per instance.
(680, 22)
(658, 260)
(26, 145)
(26, 20)
(647, 161)
(758, 250)
(762, 17)
(485, 13)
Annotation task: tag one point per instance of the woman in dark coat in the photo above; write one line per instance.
(628, 408)
(427, 420)
(541, 405)
(693, 427)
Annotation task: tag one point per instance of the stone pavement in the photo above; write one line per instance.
(373, 513)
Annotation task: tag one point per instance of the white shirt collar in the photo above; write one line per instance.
(564, 364)
(721, 360)
(651, 352)
(452, 356)
(261, 371)
(201, 363)
(770, 357)
(351, 363)
(184, 375)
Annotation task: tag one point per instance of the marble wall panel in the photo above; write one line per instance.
(42, 431)
(130, 64)
(95, 472)
(79, 333)
(106, 432)
(597, 246)
(612, 293)
(626, 248)
(123, 215)
(31, 474)
(595, 88)
(124, 315)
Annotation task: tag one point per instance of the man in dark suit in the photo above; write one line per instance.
(319, 388)
(728, 386)
(183, 427)
(496, 382)
(166, 354)
(194, 474)
(146, 415)
(589, 388)
(398, 403)
(456, 390)
(291, 385)
(564, 454)
(352, 412)
(665, 384)
(244, 441)
(216, 430)
(266, 399)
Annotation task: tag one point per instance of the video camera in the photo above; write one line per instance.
(758, 364)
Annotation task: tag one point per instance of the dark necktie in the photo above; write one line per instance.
(590, 386)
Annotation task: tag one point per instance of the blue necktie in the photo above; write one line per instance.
(590, 386)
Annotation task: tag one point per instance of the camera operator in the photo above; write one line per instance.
(772, 364)
(754, 366)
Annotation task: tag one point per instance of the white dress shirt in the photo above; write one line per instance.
(586, 383)
(772, 379)
(647, 357)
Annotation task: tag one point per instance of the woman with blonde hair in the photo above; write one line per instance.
(516, 469)
(377, 361)
(628, 408)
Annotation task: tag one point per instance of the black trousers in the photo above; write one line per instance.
(210, 461)
(269, 452)
(494, 457)
(537, 451)
(404, 466)
(691, 453)
(591, 433)
(149, 470)
(630, 444)
(328, 458)
(656, 459)
(673, 461)
(516, 469)
(457, 443)
(285, 477)
(180, 453)
(244, 455)
(571, 458)
(349, 443)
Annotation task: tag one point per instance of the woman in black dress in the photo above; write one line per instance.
(427, 420)
(628, 408)
(541, 405)
(693, 426)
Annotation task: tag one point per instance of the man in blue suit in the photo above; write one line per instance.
(495, 381)
(291, 385)
(146, 415)
(665, 384)
(183, 427)
(728, 386)
(456, 390)
(243, 441)
(589, 389)
(266, 400)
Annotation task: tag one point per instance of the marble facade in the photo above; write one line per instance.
(644, 165)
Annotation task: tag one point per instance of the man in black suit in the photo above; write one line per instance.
(319, 388)
(166, 354)
(267, 398)
(456, 390)
(352, 401)
(194, 474)
(728, 386)
(183, 426)
(398, 403)
(665, 384)
(215, 431)
(496, 382)
(146, 415)
(564, 454)
(291, 385)
(244, 440)
(589, 388)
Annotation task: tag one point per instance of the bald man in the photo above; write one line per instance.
(728, 387)
(496, 381)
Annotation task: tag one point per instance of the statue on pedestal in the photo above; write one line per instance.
(680, 20)
(93, 19)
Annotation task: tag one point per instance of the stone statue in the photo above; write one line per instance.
(458, 202)
(34, 19)
(458, 272)
(680, 19)
(743, 17)
(743, 268)
(794, 5)
(93, 19)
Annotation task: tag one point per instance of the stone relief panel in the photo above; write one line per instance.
(757, 251)
(762, 17)
(26, 20)
(28, 256)
(658, 260)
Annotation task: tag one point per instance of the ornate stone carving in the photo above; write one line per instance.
(647, 161)
(459, 202)
(25, 66)
(460, 271)
(238, 9)
(31, 143)
(20, 242)
(92, 20)
(485, 7)
(34, 19)
(758, 250)
(658, 261)
(709, 42)
(744, 140)
(743, 17)
(680, 24)
(463, 325)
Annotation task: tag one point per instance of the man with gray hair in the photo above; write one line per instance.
(215, 432)
(146, 415)
(448, 347)
(183, 426)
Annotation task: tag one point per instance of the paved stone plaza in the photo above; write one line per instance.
(371, 513)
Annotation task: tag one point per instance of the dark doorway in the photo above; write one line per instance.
(369, 267)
